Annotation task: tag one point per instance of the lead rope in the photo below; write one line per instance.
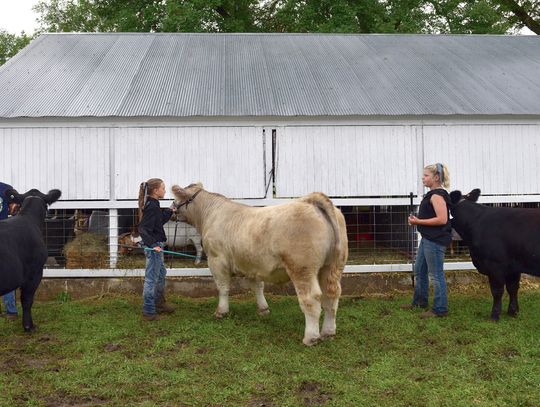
(174, 239)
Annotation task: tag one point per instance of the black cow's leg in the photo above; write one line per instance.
(27, 299)
(512, 286)
(496, 283)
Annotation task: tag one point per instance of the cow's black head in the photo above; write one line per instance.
(456, 196)
(35, 200)
(464, 211)
(52, 196)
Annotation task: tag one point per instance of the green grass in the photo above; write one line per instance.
(100, 352)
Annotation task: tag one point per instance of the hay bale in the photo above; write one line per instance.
(87, 251)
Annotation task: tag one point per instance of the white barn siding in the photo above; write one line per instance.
(347, 161)
(498, 159)
(74, 160)
(227, 160)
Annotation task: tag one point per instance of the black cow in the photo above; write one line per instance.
(503, 242)
(22, 249)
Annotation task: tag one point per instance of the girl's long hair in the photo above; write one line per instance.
(145, 189)
(441, 170)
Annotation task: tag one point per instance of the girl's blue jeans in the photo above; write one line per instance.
(429, 264)
(154, 280)
(10, 303)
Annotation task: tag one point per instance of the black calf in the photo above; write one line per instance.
(22, 249)
(503, 242)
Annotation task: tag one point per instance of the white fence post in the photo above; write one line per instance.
(113, 237)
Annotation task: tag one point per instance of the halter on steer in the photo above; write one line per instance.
(191, 198)
(188, 201)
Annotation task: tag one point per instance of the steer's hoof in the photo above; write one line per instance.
(264, 311)
(311, 341)
(220, 315)
(329, 335)
(494, 318)
(30, 329)
(513, 313)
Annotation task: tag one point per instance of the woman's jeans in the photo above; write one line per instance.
(154, 280)
(429, 264)
(10, 303)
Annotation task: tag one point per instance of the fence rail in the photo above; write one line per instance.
(205, 272)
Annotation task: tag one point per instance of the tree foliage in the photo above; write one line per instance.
(148, 15)
(343, 16)
(10, 44)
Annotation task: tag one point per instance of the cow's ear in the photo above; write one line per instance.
(455, 197)
(179, 192)
(473, 195)
(14, 197)
(199, 185)
(52, 196)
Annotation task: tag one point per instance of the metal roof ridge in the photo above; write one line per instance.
(263, 34)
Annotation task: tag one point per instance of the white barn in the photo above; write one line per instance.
(354, 116)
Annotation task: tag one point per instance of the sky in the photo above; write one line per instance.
(17, 15)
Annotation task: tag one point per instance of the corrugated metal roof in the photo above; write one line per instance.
(186, 75)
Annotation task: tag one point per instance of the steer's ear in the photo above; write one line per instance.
(455, 197)
(473, 195)
(52, 196)
(179, 192)
(14, 197)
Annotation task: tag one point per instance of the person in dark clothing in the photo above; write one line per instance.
(152, 218)
(433, 223)
(8, 207)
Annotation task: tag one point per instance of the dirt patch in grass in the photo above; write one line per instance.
(64, 400)
(112, 347)
(16, 362)
(202, 350)
(312, 394)
(260, 402)
(182, 343)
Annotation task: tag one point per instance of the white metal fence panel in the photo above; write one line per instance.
(347, 160)
(227, 160)
(498, 159)
(74, 160)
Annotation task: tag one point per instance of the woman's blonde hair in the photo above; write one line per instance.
(145, 189)
(442, 171)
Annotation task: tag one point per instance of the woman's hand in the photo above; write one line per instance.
(413, 220)
(157, 248)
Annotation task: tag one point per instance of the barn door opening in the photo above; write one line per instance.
(270, 154)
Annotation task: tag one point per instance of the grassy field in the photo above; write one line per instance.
(100, 352)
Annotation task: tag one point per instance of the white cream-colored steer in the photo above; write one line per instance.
(304, 241)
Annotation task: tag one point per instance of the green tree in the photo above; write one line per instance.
(524, 13)
(100, 15)
(349, 16)
(147, 15)
(346, 16)
(10, 44)
(468, 17)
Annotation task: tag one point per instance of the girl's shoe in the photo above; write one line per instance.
(150, 317)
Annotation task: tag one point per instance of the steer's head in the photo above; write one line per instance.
(183, 201)
(463, 210)
(34, 200)
(457, 197)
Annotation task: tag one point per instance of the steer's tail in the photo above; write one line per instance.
(337, 221)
